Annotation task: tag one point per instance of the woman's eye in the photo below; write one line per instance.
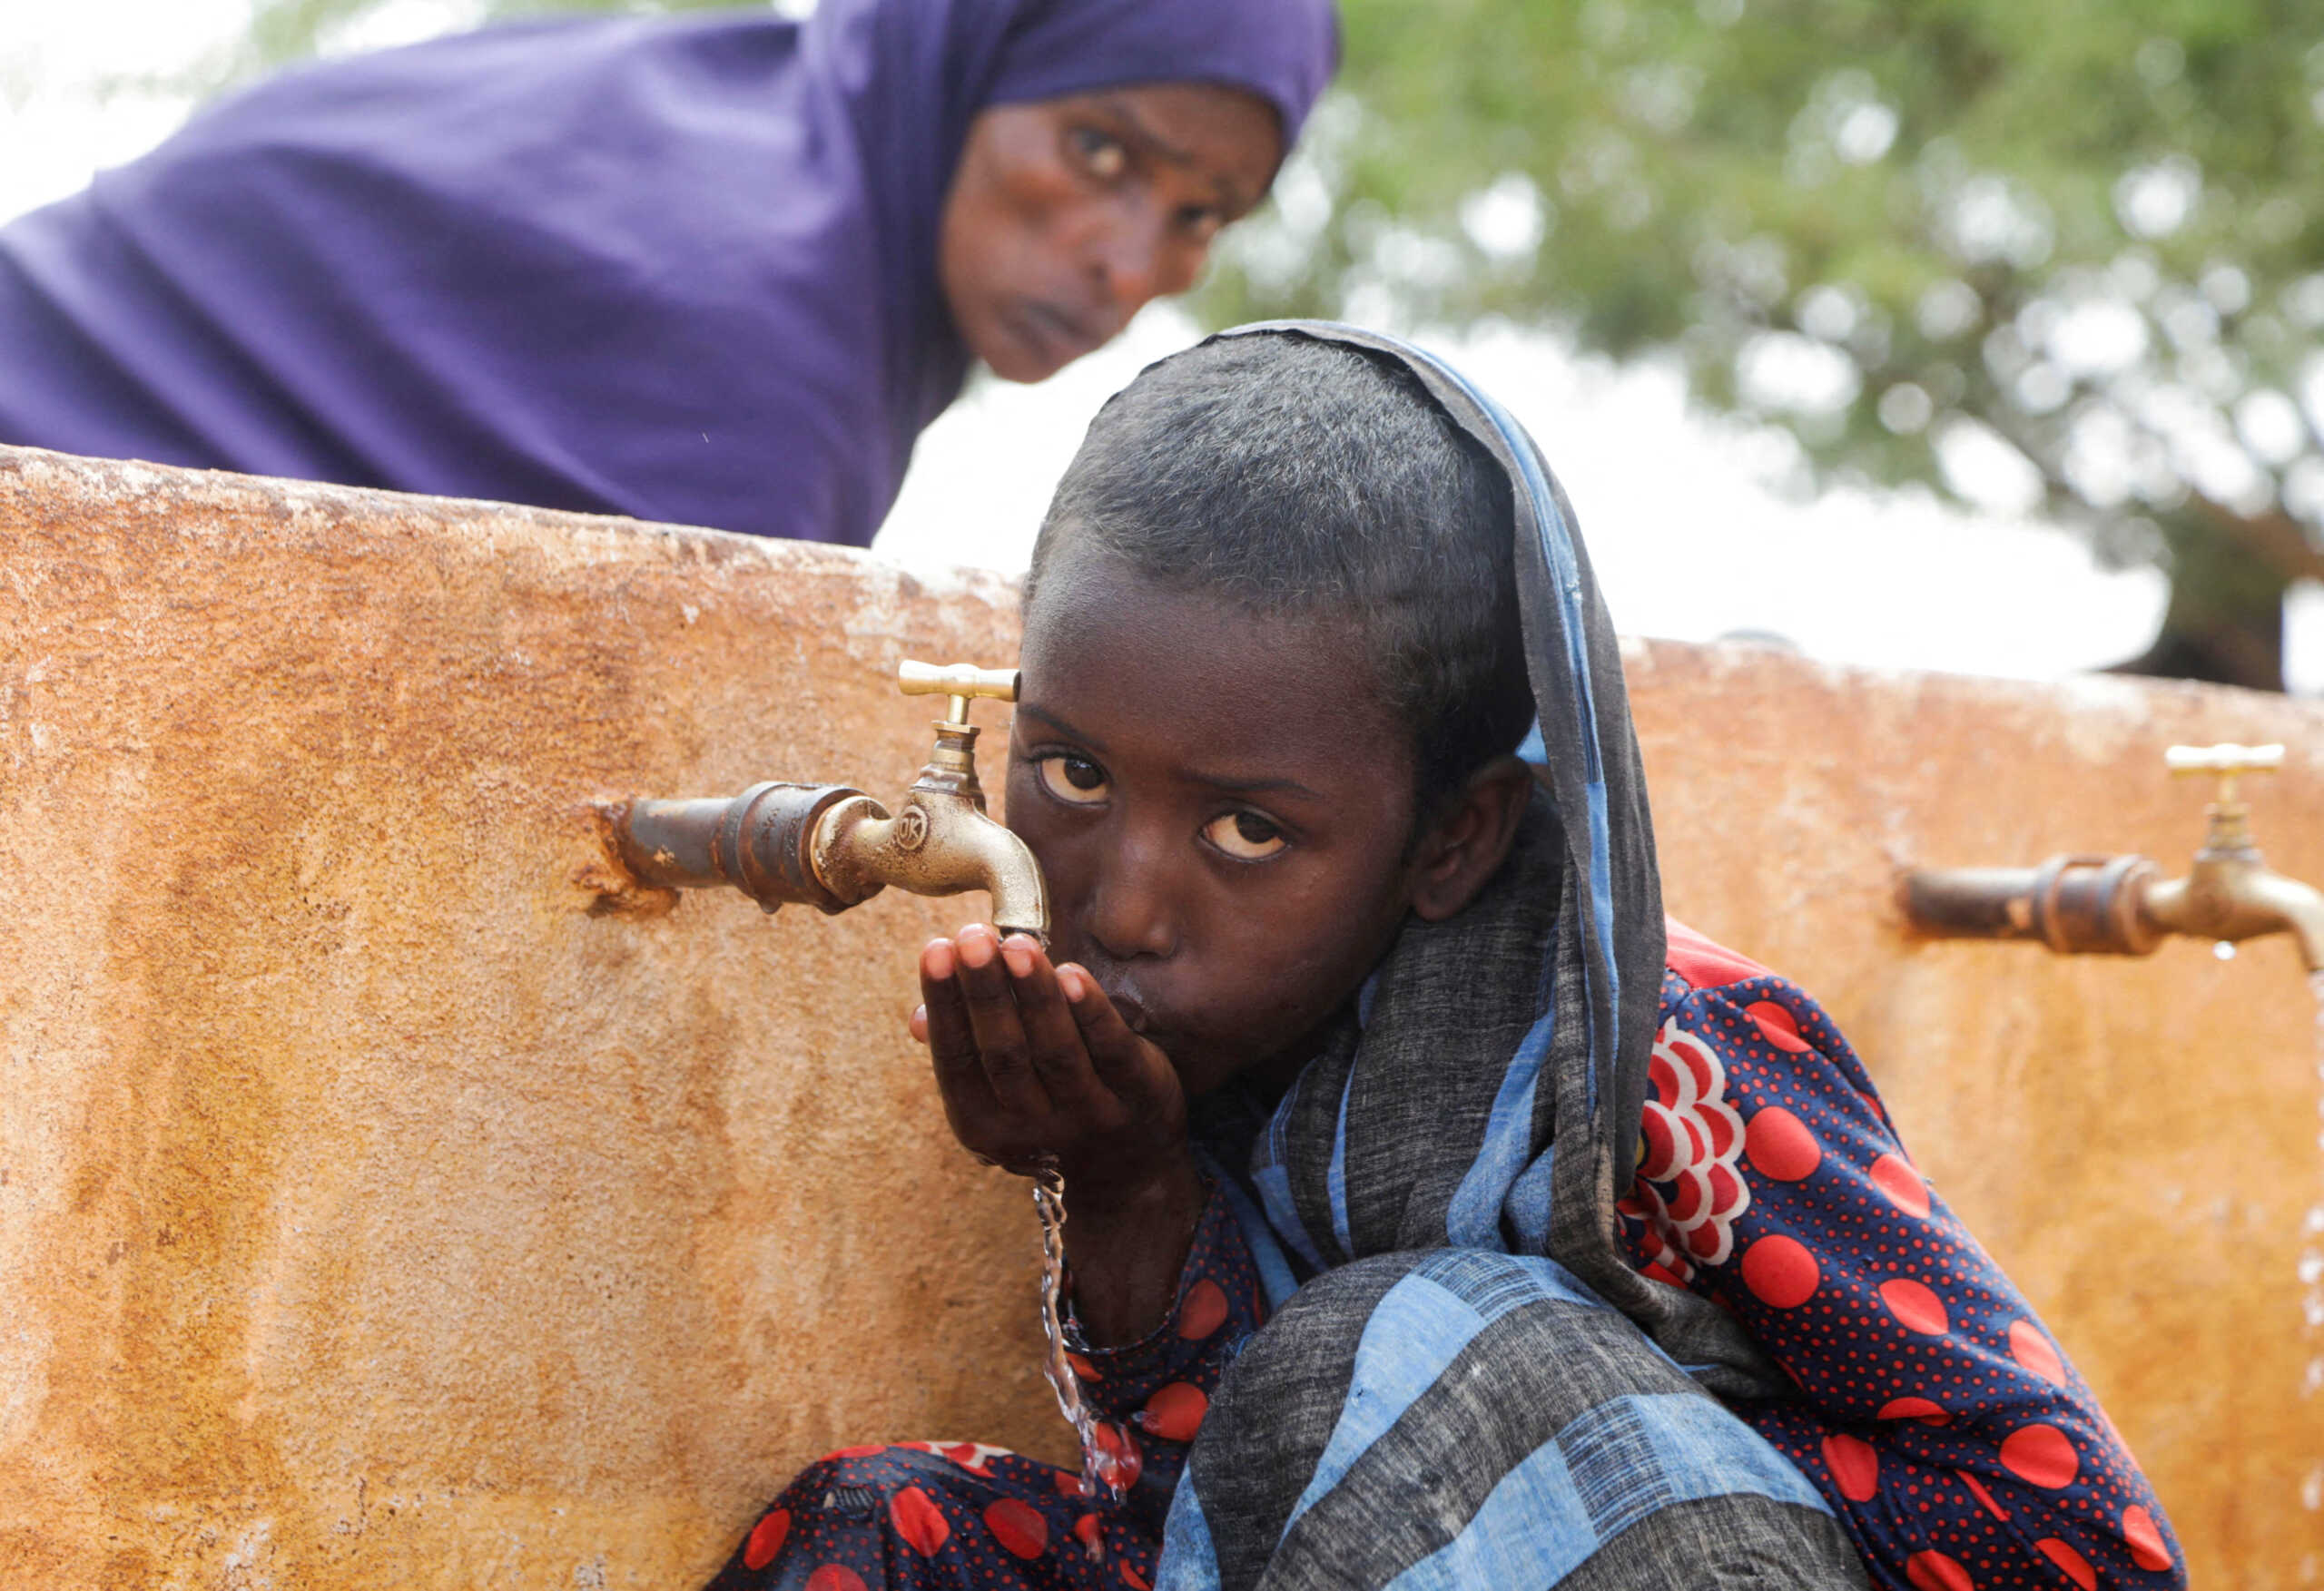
(1245, 836)
(1102, 154)
(1200, 223)
(1074, 779)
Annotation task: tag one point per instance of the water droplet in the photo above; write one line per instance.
(2223, 951)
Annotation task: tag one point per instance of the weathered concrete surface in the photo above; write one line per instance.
(372, 1214)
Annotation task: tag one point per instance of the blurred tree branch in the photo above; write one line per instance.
(2078, 244)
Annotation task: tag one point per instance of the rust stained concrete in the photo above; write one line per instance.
(373, 1212)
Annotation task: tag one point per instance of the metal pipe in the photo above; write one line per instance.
(1970, 903)
(761, 842)
(2076, 905)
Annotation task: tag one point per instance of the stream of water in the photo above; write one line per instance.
(2312, 1263)
(1103, 1463)
(2312, 1249)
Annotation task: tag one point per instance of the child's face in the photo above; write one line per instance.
(1221, 805)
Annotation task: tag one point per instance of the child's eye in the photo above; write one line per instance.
(1245, 836)
(1101, 154)
(1076, 780)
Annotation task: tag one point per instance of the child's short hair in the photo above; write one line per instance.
(1291, 476)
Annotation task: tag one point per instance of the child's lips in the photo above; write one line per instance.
(1150, 1021)
(1136, 1016)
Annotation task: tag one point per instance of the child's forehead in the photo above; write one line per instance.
(1107, 642)
(1090, 595)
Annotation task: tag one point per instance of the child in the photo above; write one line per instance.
(1353, 1026)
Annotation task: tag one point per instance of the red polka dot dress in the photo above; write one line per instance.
(1948, 1430)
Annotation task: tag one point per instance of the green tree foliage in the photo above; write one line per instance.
(2081, 238)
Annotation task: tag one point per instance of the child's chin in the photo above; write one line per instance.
(1205, 1071)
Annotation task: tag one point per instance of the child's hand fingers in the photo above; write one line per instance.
(991, 1003)
(943, 1025)
(1060, 1057)
(1133, 1069)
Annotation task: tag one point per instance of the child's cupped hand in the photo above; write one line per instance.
(1034, 1061)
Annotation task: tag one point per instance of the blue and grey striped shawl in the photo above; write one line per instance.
(1490, 1098)
(1471, 1385)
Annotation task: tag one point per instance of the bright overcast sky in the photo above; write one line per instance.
(1689, 538)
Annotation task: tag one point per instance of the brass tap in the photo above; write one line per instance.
(2121, 905)
(2229, 894)
(939, 842)
(832, 846)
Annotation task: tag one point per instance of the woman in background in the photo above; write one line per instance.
(718, 269)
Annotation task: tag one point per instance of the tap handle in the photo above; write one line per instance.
(961, 682)
(2229, 763)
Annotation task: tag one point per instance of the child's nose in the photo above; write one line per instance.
(1130, 913)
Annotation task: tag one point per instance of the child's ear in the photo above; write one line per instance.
(1470, 839)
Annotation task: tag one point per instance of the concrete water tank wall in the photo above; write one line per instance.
(374, 1213)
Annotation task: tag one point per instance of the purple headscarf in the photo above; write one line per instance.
(680, 268)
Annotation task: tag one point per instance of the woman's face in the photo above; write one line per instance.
(1067, 216)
